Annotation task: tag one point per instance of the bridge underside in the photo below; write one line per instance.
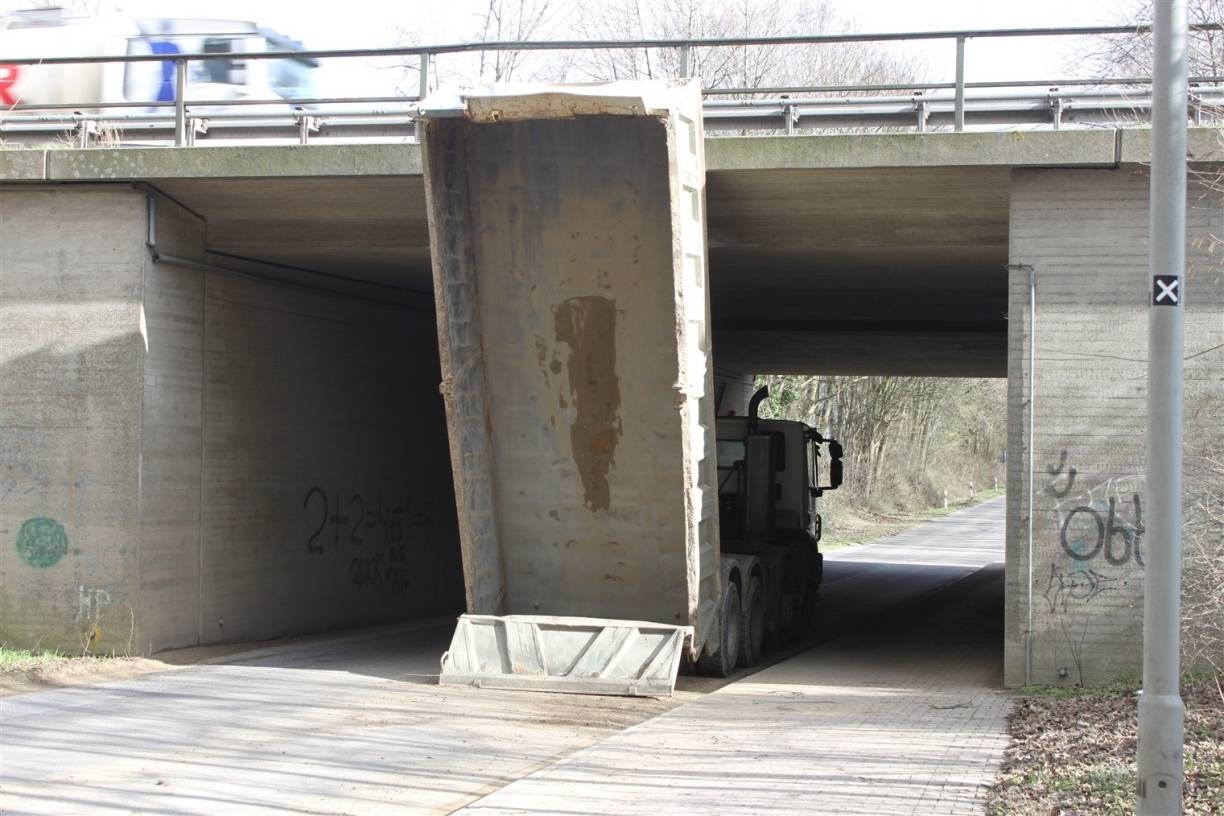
(193, 456)
(831, 271)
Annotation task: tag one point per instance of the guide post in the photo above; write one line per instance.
(1161, 713)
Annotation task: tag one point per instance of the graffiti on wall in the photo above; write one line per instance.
(90, 603)
(373, 533)
(1103, 522)
(1100, 537)
(1067, 586)
(41, 542)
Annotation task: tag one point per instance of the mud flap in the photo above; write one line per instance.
(561, 654)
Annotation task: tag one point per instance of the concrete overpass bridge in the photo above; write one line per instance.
(218, 367)
(881, 254)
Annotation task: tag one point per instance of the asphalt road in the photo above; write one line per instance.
(355, 725)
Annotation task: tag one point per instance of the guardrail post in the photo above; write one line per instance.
(84, 128)
(960, 84)
(423, 88)
(180, 102)
(685, 57)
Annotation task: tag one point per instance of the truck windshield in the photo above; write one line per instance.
(730, 451)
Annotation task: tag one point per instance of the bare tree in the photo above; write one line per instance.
(500, 21)
(1203, 571)
(1131, 55)
(514, 21)
(907, 439)
(749, 66)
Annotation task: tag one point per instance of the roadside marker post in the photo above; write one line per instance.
(1161, 712)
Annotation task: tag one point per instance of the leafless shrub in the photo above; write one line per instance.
(1203, 563)
(1131, 55)
(907, 439)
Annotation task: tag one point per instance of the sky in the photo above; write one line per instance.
(378, 23)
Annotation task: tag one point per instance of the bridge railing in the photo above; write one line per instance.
(918, 105)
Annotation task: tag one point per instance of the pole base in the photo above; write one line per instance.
(1161, 730)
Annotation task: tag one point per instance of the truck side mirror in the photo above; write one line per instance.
(835, 464)
(835, 467)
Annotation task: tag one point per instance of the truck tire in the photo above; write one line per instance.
(722, 664)
(807, 615)
(811, 597)
(752, 624)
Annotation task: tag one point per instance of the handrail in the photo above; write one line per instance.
(395, 121)
(181, 107)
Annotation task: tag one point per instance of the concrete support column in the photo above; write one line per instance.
(71, 388)
(1084, 234)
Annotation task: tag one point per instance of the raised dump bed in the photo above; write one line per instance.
(568, 236)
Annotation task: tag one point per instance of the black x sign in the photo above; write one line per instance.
(1166, 290)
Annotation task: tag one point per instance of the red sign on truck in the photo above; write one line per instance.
(8, 78)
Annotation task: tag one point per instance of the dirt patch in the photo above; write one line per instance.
(22, 672)
(61, 672)
(1073, 752)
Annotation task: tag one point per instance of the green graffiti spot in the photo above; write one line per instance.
(42, 542)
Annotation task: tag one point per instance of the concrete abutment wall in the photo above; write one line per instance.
(71, 388)
(1083, 234)
(193, 456)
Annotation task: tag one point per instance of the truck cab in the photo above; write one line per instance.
(769, 480)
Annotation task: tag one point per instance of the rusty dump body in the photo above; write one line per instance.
(568, 240)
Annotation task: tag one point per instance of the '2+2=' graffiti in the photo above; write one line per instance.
(386, 570)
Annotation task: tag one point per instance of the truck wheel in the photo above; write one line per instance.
(807, 615)
(808, 610)
(722, 664)
(752, 624)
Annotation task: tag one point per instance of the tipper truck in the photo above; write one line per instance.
(610, 526)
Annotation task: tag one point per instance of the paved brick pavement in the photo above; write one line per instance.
(905, 716)
(897, 711)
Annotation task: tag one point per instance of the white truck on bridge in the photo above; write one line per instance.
(591, 478)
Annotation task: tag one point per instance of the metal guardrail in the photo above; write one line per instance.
(789, 109)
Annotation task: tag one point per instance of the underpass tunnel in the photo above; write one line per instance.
(319, 326)
(221, 413)
(288, 462)
(198, 421)
(858, 273)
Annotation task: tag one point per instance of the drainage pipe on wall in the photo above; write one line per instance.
(1032, 468)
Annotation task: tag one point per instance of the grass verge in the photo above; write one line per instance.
(1073, 752)
(24, 670)
(20, 660)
